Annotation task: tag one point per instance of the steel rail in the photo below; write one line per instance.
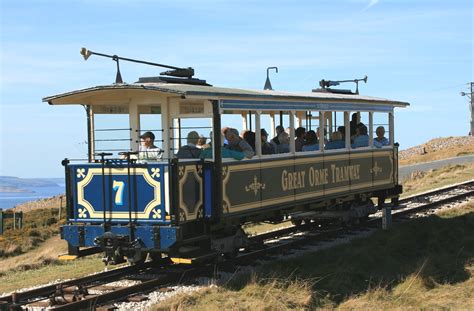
(21, 298)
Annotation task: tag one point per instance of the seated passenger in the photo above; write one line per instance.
(361, 139)
(380, 140)
(249, 137)
(353, 124)
(190, 151)
(336, 141)
(147, 149)
(279, 130)
(238, 144)
(342, 130)
(201, 144)
(299, 141)
(325, 134)
(225, 152)
(312, 143)
(284, 145)
(267, 148)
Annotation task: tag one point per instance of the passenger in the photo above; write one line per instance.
(325, 134)
(284, 145)
(353, 124)
(279, 130)
(299, 141)
(336, 141)
(312, 143)
(380, 140)
(267, 148)
(238, 144)
(147, 149)
(201, 144)
(249, 137)
(342, 130)
(225, 152)
(361, 139)
(190, 151)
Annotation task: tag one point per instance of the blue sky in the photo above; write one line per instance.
(415, 51)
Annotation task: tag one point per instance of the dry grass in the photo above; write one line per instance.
(425, 181)
(415, 294)
(44, 254)
(264, 294)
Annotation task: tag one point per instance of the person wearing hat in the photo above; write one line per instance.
(267, 148)
(147, 149)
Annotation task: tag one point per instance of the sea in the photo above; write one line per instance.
(11, 199)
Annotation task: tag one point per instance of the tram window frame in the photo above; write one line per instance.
(367, 123)
(175, 143)
(288, 118)
(385, 118)
(333, 124)
(150, 110)
(109, 110)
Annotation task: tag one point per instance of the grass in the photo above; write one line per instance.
(424, 263)
(425, 181)
(52, 271)
(38, 226)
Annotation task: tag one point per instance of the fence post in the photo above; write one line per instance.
(20, 225)
(60, 207)
(14, 221)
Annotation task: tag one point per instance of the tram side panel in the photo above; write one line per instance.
(291, 181)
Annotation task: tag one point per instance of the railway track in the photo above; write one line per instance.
(93, 291)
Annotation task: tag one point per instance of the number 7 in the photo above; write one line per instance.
(118, 186)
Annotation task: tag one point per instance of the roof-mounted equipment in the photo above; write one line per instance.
(326, 84)
(268, 85)
(181, 75)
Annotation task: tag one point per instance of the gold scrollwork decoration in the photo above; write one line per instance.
(255, 186)
(376, 169)
(225, 171)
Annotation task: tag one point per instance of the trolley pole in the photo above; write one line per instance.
(471, 107)
(472, 110)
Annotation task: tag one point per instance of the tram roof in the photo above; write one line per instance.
(232, 98)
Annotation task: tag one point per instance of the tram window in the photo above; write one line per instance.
(381, 129)
(267, 127)
(311, 122)
(151, 122)
(359, 129)
(112, 133)
(239, 122)
(335, 138)
(191, 136)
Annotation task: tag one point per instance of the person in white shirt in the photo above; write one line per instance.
(147, 149)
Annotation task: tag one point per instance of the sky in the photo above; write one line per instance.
(420, 52)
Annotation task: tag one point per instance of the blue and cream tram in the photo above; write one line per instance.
(127, 206)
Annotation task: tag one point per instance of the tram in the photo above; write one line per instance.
(128, 206)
